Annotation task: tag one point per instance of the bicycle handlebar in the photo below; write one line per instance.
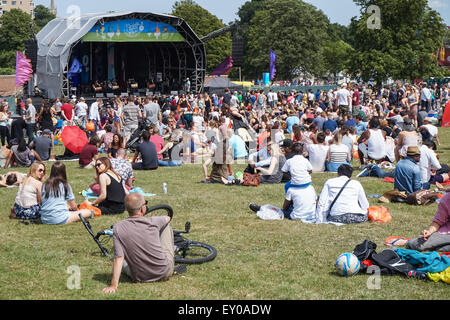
(161, 207)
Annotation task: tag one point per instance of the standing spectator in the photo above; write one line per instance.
(4, 130)
(67, 112)
(94, 114)
(30, 120)
(425, 97)
(343, 98)
(130, 114)
(81, 111)
(46, 118)
(152, 110)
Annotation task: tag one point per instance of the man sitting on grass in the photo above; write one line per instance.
(143, 247)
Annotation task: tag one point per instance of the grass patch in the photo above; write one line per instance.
(256, 259)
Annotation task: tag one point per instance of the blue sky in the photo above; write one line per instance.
(340, 11)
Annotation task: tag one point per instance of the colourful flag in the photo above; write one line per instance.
(24, 71)
(223, 68)
(273, 61)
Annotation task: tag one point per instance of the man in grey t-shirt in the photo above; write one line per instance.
(131, 114)
(30, 120)
(143, 246)
(152, 110)
(43, 145)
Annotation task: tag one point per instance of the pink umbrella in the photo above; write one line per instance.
(74, 138)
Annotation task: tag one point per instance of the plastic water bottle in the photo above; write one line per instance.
(164, 187)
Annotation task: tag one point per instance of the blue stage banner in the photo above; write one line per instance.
(133, 30)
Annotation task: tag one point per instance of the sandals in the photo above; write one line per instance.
(391, 241)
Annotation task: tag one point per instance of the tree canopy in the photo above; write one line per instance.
(297, 39)
(42, 16)
(203, 23)
(405, 45)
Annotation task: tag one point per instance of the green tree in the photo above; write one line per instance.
(405, 45)
(42, 16)
(337, 56)
(295, 31)
(203, 23)
(14, 30)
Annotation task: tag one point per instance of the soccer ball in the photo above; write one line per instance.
(347, 265)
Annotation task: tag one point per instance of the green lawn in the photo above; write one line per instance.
(256, 259)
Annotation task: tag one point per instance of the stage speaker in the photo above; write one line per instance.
(238, 51)
(110, 95)
(124, 94)
(99, 95)
(31, 49)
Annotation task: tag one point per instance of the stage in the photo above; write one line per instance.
(116, 54)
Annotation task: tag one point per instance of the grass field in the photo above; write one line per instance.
(256, 259)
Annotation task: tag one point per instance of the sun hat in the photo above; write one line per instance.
(413, 151)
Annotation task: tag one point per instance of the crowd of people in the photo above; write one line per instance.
(283, 137)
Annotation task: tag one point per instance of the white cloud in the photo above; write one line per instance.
(438, 4)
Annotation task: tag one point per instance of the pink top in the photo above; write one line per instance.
(442, 216)
(159, 144)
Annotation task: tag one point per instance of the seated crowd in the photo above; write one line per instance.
(282, 142)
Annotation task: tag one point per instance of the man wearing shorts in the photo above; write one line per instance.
(131, 114)
(143, 246)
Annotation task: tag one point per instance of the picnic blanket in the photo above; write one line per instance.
(91, 195)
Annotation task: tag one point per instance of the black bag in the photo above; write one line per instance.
(392, 263)
(365, 250)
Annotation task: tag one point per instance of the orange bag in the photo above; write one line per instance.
(90, 126)
(379, 214)
(85, 205)
(355, 154)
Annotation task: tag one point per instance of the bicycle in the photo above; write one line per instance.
(186, 251)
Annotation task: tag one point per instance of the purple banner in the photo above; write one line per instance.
(273, 61)
(223, 68)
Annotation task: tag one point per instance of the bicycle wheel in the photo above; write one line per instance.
(196, 253)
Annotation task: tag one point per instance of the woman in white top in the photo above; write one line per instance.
(4, 131)
(406, 138)
(29, 196)
(372, 145)
(338, 154)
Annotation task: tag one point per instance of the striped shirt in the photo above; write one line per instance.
(339, 153)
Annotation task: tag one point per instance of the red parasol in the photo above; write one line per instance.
(74, 138)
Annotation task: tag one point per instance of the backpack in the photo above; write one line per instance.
(394, 264)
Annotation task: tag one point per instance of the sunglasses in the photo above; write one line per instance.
(145, 204)
(98, 165)
(41, 170)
